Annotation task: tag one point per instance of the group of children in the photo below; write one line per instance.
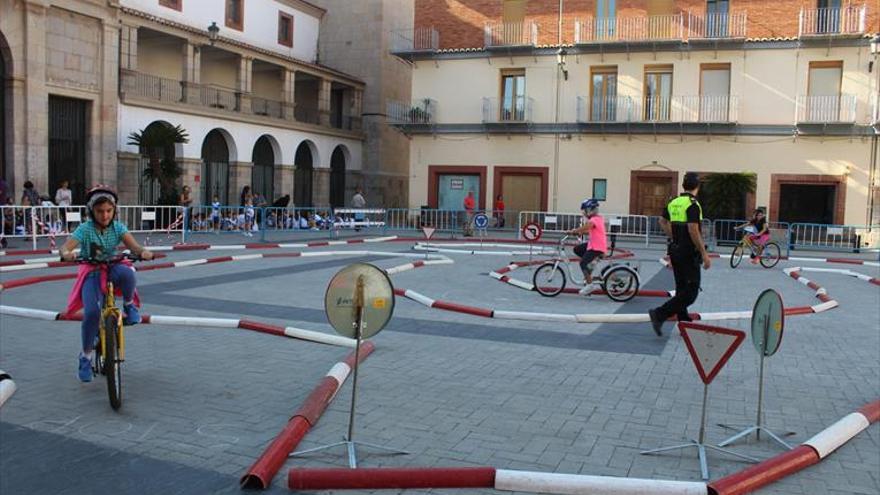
(246, 219)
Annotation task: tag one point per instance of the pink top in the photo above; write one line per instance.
(598, 241)
(74, 299)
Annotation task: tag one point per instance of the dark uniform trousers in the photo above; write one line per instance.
(686, 270)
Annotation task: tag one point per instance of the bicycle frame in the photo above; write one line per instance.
(576, 276)
(109, 309)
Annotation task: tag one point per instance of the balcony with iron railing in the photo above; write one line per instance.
(418, 112)
(832, 21)
(420, 39)
(515, 110)
(510, 34)
(633, 28)
(830, 109)
(268, 108)
(604, 109)
(704, 109)
(716, 25)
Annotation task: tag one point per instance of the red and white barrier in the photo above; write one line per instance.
(390, 478)
(576, 484)
(194, 321)
(808, 453)
(260, 474)
(7, 387)
(860, 276)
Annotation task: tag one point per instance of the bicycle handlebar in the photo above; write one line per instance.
(108, 261)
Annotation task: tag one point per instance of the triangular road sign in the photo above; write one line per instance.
(428, 231)
(710, 347)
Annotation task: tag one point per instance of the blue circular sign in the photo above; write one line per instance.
(481, 221)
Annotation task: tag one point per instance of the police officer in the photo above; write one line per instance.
(681, 223)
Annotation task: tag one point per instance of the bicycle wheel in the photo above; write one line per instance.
(549, 279)
(736, 256)
(112, 365)
(621, 283)
(771, 255)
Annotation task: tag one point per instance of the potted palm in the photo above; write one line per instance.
(157, 142)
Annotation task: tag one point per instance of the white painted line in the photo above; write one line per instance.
(496, 275)
(380, 239)
(319, 337)
(339, 372)
(522, 315)
(829, 439)
(39, 314)
(579, 484)
(613, 318)
(194, 321)
(415, 296)
(871, 263)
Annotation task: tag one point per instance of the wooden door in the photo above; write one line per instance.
(653, 194)
(521, 193)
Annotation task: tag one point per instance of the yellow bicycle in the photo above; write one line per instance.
(110, 349)
(769, 256)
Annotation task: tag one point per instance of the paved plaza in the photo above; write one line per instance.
(201, 404)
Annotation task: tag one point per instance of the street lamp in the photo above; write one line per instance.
(213, 31)
(560, 61)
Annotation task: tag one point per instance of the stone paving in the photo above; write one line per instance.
(452, 389)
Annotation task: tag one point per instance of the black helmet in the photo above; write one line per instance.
(100, 193)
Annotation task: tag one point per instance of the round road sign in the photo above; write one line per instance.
(340, 300)
(481, 221)
(532, 231)
(768, 321)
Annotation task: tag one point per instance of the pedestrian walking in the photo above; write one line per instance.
(358, 201)
(681, 222)
(469, 206)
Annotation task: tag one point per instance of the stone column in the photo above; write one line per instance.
(192, 72)
(128, 180)
(288, 94)
(283, 181)
(324, 89)
(105, 121)
(239, 176)
(353, 180)
(244, 84)
(357, 107)
(128, 48)
(34, 105)
(321, 186)
(192, 176)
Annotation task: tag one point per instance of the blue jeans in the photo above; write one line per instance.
(122, 277)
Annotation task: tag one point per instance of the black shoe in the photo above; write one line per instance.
(656, 322)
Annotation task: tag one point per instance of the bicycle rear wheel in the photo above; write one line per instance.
(771, 255)
(549, 279)
(621, 283)
(112, 365)
(736, 256)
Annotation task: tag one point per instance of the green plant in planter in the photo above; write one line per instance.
(157, 142)
(723, 195)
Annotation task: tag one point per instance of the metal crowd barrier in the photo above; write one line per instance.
(853, 238)
(621, 225)
(296, 219)
(35, 222)
(416, 218)
(358, 218)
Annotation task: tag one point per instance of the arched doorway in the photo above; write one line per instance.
(149, 187)
(263, 173)
(215, 168)
(302, 178)
(337, 177)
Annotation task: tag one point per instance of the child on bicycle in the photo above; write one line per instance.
(758, 233)
(99, 237)
(594, 249)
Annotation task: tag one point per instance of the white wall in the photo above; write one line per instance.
(260, 23)
(244, 136)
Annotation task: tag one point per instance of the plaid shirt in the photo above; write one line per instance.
(87, 235)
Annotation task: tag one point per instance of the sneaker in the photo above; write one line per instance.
(132, 315)
(656, 322)
(587, 290)
(85, 369)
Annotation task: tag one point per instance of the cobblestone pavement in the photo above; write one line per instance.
(452, 389)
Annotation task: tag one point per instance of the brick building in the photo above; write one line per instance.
(616, 99)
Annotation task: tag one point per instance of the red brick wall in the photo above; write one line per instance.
(460, 22)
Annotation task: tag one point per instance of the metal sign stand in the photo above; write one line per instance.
(763, 320)
(349, 442)
(700, 443)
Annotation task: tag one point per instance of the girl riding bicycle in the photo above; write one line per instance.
(594, 250)
(758, 233)
(99, 237)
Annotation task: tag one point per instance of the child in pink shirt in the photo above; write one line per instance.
(593, 250)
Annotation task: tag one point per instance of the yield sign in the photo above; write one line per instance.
(428, 231)
(710, 347)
